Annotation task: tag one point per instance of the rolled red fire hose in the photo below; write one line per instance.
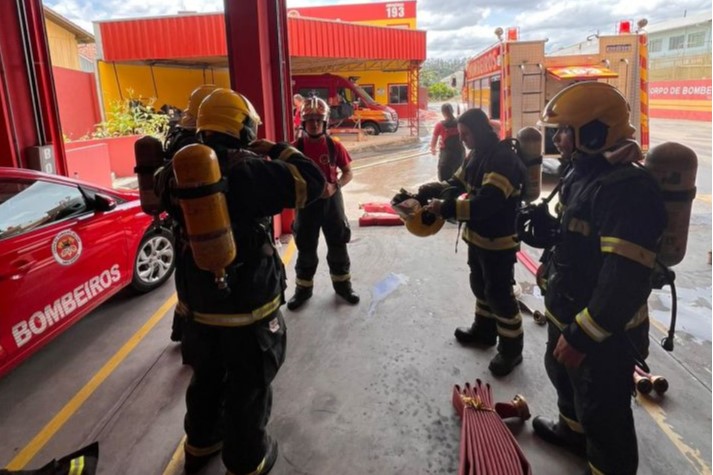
(487, 446)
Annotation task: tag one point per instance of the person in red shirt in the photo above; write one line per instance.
(326, 213)
(297, 101)
(450, 149)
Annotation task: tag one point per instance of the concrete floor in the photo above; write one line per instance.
(365, 389)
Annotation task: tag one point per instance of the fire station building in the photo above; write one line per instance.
(375, 45)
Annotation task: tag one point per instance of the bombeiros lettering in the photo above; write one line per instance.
(41, 320)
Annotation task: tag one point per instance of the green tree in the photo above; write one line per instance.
(440, 91)
(435, 69)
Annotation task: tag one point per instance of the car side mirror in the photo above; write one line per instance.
(103, 202)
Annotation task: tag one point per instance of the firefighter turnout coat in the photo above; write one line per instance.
(598, 281)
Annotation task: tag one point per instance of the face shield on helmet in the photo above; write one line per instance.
(316, 109)
(190, 114)
(230, 113)
(596, 112)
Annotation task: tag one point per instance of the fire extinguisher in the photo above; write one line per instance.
(205, 210)
(148, 153)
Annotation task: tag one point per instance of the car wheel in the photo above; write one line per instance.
(370, 128)
(155, 260)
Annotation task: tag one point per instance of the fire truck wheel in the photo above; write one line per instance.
(370, 128)
(155, 260)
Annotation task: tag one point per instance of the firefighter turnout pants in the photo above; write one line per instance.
(492, 275)
(449, 161)
(327, 215)
(596, 399)
(229, 398)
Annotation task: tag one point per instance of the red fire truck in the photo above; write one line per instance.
(513, 80)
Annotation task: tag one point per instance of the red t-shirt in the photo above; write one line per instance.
(442, 132)
(298, 118)
(318, 151)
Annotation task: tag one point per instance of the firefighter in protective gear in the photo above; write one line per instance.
(326, 214)
(492, 177)
(598, 277)
(178, 137)
(235, 341)
(185, 132)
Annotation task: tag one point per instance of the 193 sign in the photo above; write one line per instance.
(395, 10)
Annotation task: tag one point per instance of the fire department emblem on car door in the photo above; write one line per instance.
(66, 247)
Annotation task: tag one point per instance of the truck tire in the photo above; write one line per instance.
(371, 128)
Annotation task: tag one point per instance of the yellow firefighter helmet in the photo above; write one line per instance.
(422, 223)
(230, 113)
(597, 113)
(190, 114)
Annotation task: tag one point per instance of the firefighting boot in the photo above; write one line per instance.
(302, 294)
(345, 291)
(266, 463)
(482, 332)
(198, 457)
(509, 355)
(559, 433)
(177, 327)
(503, 364)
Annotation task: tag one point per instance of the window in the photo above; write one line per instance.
(696, 40)
(655, 46)
(675, 42)
(369, 88)
(26, 205)
(321, 92)
(398, 94)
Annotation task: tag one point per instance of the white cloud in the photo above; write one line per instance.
(456, 28)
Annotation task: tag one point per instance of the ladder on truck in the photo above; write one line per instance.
(532, 89)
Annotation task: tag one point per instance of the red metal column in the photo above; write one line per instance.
(28, 106)
(256, 32)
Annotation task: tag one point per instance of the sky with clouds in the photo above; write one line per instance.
(456, 28)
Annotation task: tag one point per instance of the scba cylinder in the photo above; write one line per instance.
(531, 147)
(148, 153)
(205, 209)
(674, 167)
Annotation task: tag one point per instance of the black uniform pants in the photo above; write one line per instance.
(492, 275)
(326, 215)
(229, 397)
(448, 162)
(598, 396)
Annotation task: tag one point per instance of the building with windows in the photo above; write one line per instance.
(680, 68)
(374, 45)
(388, 84)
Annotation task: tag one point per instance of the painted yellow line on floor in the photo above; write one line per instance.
(175, 465)
(659, 416)
(704, 197)
(48, 431)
